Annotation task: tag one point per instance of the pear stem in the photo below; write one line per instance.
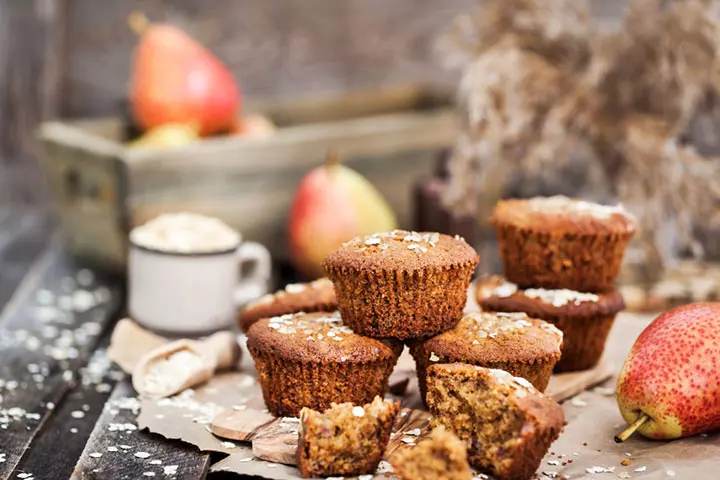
(333, 158)
(138, 22)
(632, 428)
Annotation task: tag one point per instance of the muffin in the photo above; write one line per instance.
(524, 346)
(313, 359)
(402, 284)
(584, 318)
(345, 439)
(317, 296)
(440, 456)
(558, 242)
(507, 425)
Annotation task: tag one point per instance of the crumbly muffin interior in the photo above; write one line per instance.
(345, 439)
(441, 456)
(478, 411)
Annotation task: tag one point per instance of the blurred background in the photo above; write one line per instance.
(369, 80)
(72, 58)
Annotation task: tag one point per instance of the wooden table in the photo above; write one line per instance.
(61, 401)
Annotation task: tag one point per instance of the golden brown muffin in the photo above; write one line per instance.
(558, 242)
(313, 359)
(524, 346)
(317, 296)
(440, 456)
(345, 439)
(402, 284)
(507, 425)
(584, 318)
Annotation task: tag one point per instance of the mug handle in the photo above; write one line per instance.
(255, 284)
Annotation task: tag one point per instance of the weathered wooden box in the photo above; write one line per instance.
(103, 189)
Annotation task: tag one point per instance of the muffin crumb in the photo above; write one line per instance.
(341, 442)
(506, 424)
(440, 456)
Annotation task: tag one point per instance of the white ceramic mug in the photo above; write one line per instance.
(194, 293)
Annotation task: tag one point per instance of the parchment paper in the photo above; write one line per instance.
(586, 445)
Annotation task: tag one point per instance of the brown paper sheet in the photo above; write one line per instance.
(592, 416)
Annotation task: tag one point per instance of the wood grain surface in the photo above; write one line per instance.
(45, 339)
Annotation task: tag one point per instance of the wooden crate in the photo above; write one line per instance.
(103, 189)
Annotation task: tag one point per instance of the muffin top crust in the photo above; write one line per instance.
(295, 297)
(496, 293)
(317, 337)
(495, 337)
(562, 214)
(402, 250)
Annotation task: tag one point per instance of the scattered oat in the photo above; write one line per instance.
(142, 454)
(96, 455)
(623, 475)
(578, 402)
(228, 445)
(670, 473)
(600, 470)
(408, 440)
(272, 465)
(628, 454)
(239, 407)
(149, 474)
(155, 462)
(384, 467)
(246, 459)
(125, 447)
(77, 414)
(121, 427)
(640, 469)
(112, 449)
(358, 411)
(25, 475)
(73, 430)
(606, 391)
(414, 431)
(170, 469)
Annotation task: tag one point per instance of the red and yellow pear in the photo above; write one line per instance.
(669, 386)
(332, 205)
(176, 80)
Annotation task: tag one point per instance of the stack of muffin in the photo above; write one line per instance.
(561, 258)
(392, 289)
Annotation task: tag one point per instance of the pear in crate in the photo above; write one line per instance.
(167, 136)
(177, 80)
(669, 386)
(332, 205)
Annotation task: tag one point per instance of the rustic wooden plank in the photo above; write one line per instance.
(62, 438)
(47, 331)
(128, 454)
(31, 72)
(23, 236)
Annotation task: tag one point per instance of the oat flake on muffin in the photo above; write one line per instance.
(314, 359)
(316, 296)
(402, 284)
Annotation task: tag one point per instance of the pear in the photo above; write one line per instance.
(167, 136)
(253, 126)
(669, 386)
(177, 80)
(333, 204)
